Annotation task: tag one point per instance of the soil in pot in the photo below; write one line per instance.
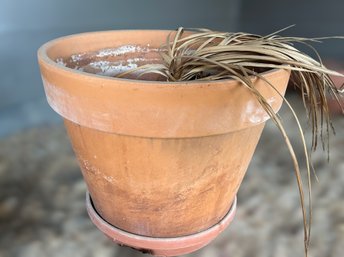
(113, 61)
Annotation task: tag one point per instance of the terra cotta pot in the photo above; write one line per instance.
(160, 159)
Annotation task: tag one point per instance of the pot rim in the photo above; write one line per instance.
(43, 56)
(154, 109)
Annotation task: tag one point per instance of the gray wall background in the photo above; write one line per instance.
(25, 25)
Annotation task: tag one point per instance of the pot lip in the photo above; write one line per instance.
(192, 239)
(43, 56)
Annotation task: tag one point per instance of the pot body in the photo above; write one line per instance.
(160, 159)
(163, 187)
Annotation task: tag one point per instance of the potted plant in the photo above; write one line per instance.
(164, 131)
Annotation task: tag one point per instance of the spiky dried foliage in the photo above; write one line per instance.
(207, 55)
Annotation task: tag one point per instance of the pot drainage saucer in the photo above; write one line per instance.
(160, 246)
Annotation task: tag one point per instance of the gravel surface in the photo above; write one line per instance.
(42, 195)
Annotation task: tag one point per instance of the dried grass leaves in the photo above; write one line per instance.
(210, 55)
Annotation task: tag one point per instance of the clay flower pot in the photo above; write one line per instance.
(162, 161)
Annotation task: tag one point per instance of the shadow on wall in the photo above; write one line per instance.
(312, 18)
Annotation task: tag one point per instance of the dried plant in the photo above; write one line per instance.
(207, 55)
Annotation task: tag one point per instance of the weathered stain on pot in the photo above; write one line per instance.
(109, 179)
(258, 115)
(65, 99)
(87, 166)
(54, 95)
